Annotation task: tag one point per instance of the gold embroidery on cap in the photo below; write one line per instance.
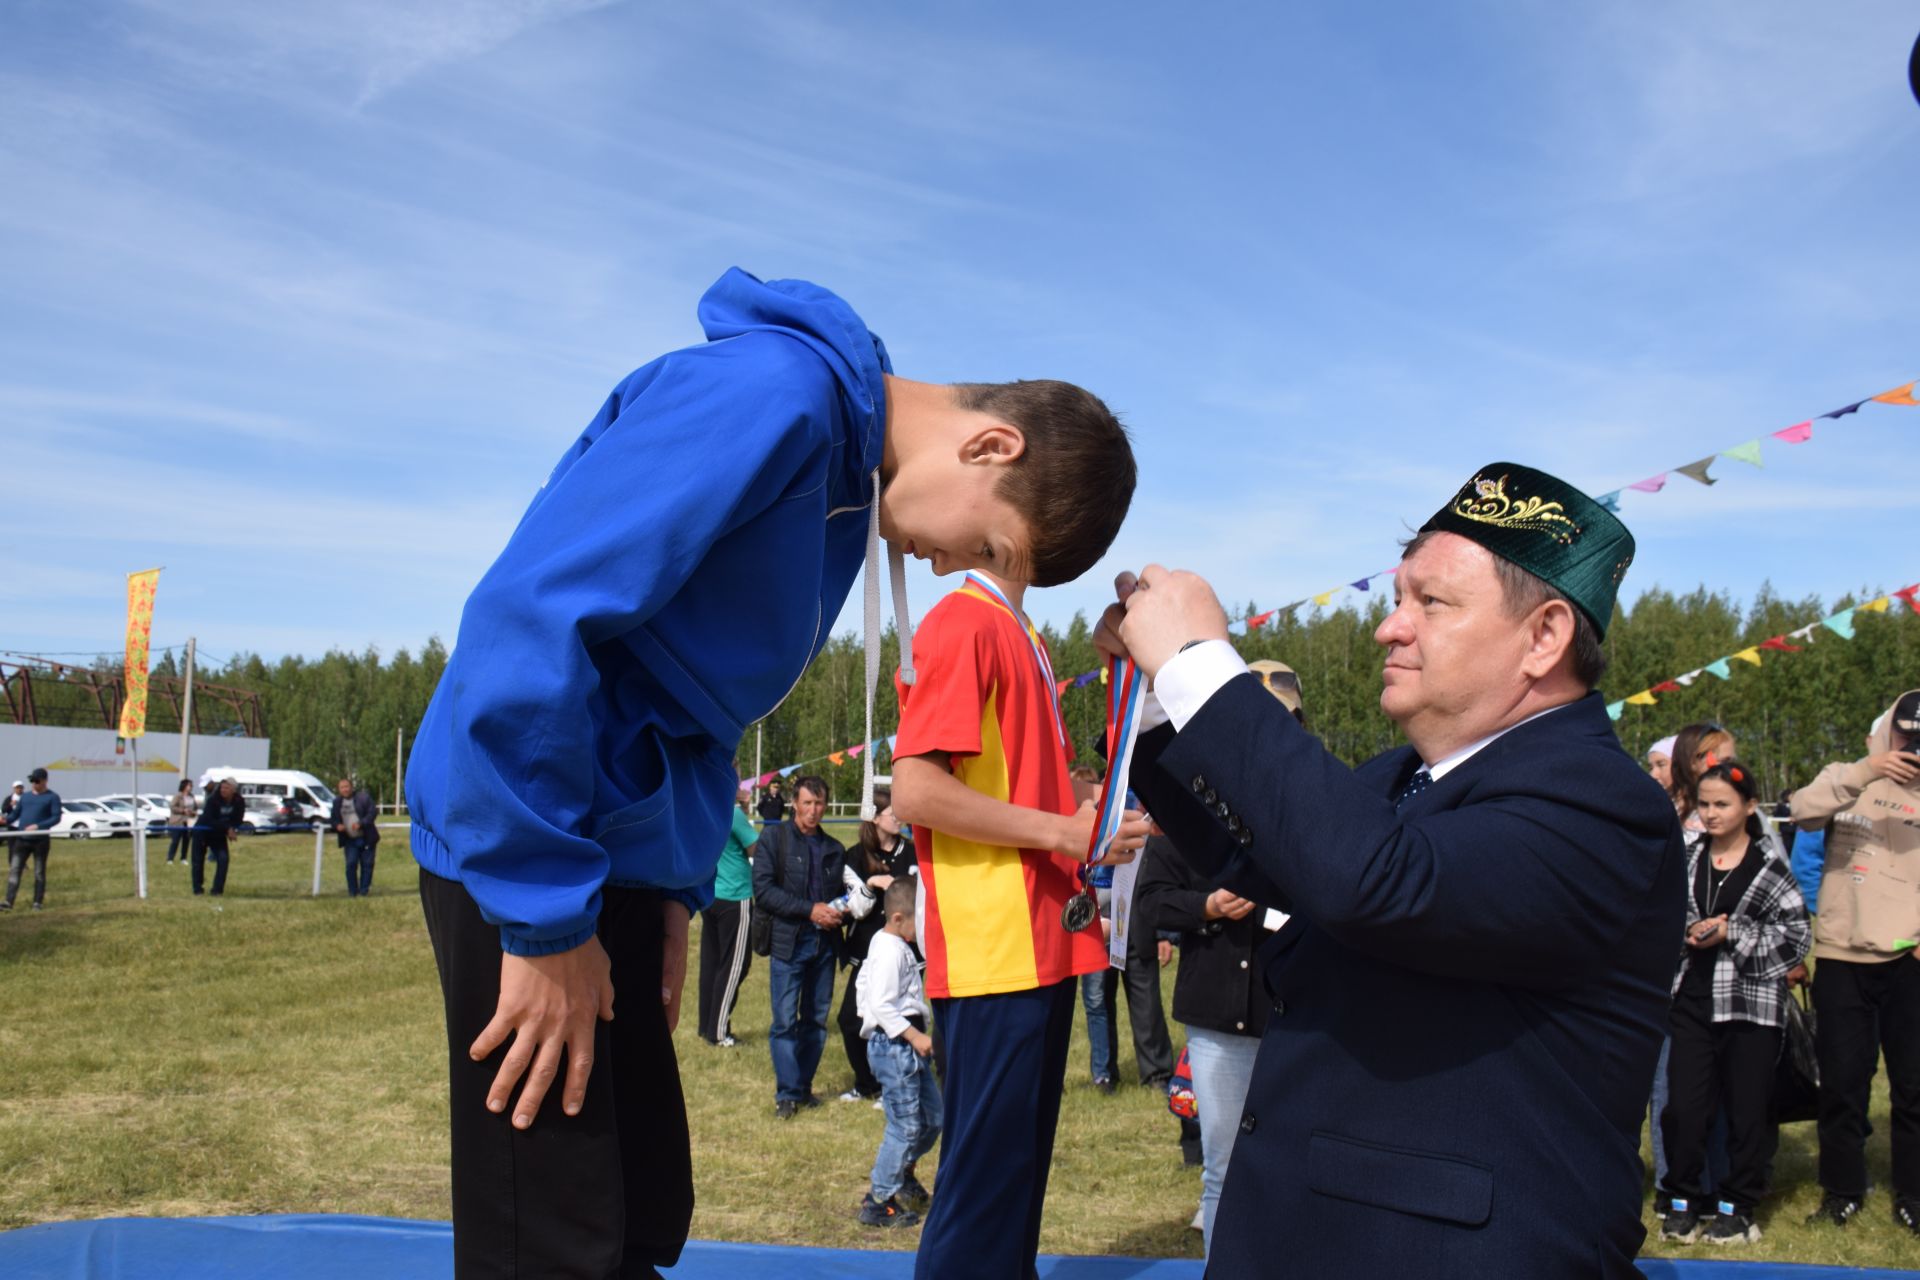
(1488, 503)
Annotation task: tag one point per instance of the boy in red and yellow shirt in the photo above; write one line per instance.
(980, 769)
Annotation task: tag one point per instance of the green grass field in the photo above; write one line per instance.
(278, 1053)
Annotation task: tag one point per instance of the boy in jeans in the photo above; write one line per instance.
(893, 1017)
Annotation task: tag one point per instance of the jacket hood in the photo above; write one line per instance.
(1880, 739)
(740, 302)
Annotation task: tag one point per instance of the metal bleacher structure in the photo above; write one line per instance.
(46, 691)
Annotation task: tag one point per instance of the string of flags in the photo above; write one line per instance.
(1840, 624)
(1699, 470)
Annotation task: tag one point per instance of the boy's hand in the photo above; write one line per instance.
(673, 958)
(1077, 834)
(919, 1041)
(547, 1004)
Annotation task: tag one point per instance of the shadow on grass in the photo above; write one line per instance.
(1148, 1242)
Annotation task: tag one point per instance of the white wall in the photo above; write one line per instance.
(82, 763)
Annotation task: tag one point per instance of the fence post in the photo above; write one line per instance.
(319, 838)
(139, 850)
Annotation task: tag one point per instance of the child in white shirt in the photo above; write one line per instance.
(894, 1017)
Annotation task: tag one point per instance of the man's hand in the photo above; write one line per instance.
(919, 1041)
(1797, 976)
(1166, 609)
(547, 1004)
(1896, 766)
(1225, 904)
(1163, 950)
(824, 916)
(1106, 634)
(673, 958)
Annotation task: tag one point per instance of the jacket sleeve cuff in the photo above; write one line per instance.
(515, 944)
(1194, 675)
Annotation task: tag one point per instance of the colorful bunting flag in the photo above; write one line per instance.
(1718, 667)
(1644, 698)
(1666, 686)
(853, 753)
(1361, 584)
(1899, 395)
(1615, 708)
(1779, 643)
(1907, 594)
(838, 757)
(1876, 606)
(1652, 484)
(1841, 413)
(1800, 432)
(1698, 470)
(1259, 620)
(1686, 681)
(1611, 501)
(1325, 598)
(1841, 624)
(1748, 452)
(1749, 655)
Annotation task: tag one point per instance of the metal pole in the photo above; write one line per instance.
(399, 783)
(756, 762)
(186, 719)
(139, 826)
(319, 835)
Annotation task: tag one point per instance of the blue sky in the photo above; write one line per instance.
(308, 298)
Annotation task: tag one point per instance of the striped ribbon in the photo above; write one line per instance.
(1126, 690)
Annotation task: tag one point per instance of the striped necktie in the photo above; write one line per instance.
(1419, 782)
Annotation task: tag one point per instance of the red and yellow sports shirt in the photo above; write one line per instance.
(990, 915)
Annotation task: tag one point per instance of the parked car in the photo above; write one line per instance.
(151, 808)
(86, 819)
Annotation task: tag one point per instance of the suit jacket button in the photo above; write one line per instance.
(1249, 1122)
(1209, 796)
(1279, 1008)
(1220, 810)
(1243, 964)
(1233, 822)
(1199, 784)
(1239, 1026)
(1244, 837)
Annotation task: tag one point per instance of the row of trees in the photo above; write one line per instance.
(338, 714)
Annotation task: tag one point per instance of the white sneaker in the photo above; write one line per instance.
(879, 1105)
(1199, 1222)
(725, 1042)
(853, 1095)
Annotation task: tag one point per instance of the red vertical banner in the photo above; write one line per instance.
(140, 588)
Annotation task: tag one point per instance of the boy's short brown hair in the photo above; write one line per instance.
(1075, 480)
(899, 897)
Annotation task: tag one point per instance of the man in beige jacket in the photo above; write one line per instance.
(1866, 979)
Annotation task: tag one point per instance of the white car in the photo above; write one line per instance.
(151, 808)
(86, 819)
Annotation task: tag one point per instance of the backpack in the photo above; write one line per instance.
(1180, 1089)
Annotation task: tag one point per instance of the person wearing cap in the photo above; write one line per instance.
(1660, 762)
(1217, 994)
(1468, 1001)
(1866, 981)
(8, 805)
(36, 810)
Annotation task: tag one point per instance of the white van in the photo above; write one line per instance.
(265, 790)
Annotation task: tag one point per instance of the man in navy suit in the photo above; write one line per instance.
(1469, 999)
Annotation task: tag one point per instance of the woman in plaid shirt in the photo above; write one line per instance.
(1746, 928)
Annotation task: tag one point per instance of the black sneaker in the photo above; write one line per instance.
(889, 1214)
(913, 1195)
(784, 1109)
(1680, 1223)
(811, 1100)
(1835, 1209)
(6, 906)
(1731, 1227)
(1907, 1214)
(1103, 1083)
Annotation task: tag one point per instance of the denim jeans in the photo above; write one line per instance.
(911, 1100)
(802, 994)
(1096, 992)
(359, 858)
(1222, 1066)
(19, 851)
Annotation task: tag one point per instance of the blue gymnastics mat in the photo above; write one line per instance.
(336, 1247)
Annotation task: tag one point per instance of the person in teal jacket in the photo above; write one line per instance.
(571, 781)
(725, 956)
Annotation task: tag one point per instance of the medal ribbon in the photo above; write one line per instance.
(1126, 690)
(1039, 653)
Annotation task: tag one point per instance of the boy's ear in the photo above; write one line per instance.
(993, 443)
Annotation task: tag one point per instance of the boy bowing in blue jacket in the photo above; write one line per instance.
(571, 781)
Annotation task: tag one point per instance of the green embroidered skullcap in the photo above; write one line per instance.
(1547, 527)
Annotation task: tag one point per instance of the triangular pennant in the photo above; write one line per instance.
(788, 770)
(1611, 501)
(1259, 619)
(1652, 484)
(1086, 679)
(1686, 681)
(1799, 433)
(1615, 708)
(1907, 594)
(891, 739)
(1644, 698)
(765, 778)
(1361, 584)
(1841, 624)
(1698, 470)
(853, 753)
(1325, 598)
(838, 757)
(1748, 452)
(1063, 686)
(1876, 606)
(1719, 668)
(1749, 655)
(1804, 633)
(1899, 395)
(1666, 686)
(1841, 413)
(1779, 643)
(1103, 675)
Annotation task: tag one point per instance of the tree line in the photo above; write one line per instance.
(338, 714)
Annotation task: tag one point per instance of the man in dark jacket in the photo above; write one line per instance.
(355, 823)
(220, 818)
(773, 806)
(798, 870)
(1468, 1003)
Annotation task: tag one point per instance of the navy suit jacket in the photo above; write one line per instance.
(1467, 1004)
